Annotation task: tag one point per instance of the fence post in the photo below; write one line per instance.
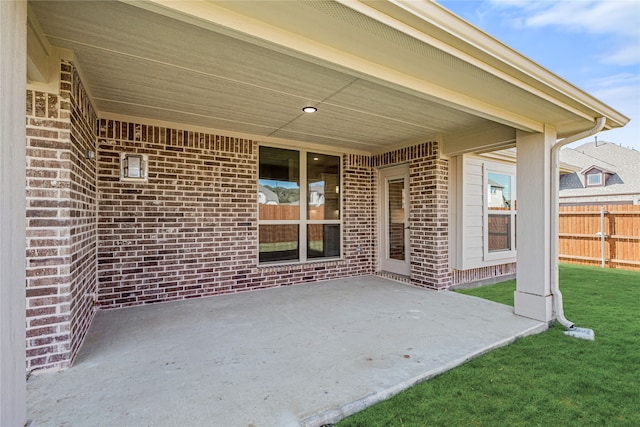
(602, 234)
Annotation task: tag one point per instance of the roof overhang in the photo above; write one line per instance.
(510, 155)
(382, 74)
(585, 171)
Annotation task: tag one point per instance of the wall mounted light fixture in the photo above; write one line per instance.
(133, 167)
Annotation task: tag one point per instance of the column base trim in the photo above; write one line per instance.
(537, 307)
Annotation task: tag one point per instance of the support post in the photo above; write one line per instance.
(13, 76)
(533, 297)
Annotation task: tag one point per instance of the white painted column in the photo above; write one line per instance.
(13, 76)
(533, 297)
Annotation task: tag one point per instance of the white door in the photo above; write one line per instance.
(394, 220)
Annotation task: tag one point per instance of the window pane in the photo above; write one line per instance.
(498, 191)
(396, 202)
(594, 179)
(499, 227)
(323, 186)
(278, 243)
(324, 240)
(279, 184)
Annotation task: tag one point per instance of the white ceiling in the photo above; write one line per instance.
(143, 64)
(137, 62)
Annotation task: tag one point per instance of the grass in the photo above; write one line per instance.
(543, 380)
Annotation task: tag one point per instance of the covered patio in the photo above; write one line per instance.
(153, 130)
(298, 355)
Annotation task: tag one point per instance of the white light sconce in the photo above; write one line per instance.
(90, 155)
(133, 167)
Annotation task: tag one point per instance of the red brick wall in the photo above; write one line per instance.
(483, 273)
(430, 222)
(84, 210)
(61, 218)
(359, 214)
(191, 229)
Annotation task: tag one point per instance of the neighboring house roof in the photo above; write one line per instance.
(269, 196)
(620, 165)
(495, 184)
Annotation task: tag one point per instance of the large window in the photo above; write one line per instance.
(500, 214)
(299, 203)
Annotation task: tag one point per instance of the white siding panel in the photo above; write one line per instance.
(467, 221)
(471, 173)
(472, 222)
(472, 205)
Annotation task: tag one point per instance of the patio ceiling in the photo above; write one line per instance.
(379, 77)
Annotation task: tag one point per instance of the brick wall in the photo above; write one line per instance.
(492, 273)
(430, 221)
(359, 213)
(83, 221)
(191, 229)
(61, 216)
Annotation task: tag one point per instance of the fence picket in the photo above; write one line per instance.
(579, 228)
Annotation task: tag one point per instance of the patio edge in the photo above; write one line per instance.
(334, 415)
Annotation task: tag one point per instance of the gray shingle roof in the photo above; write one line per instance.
(607, 156)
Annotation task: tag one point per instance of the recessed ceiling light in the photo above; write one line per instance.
(309, 109)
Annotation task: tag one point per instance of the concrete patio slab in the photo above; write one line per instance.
(296, 356)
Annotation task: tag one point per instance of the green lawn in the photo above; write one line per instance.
(543, 380)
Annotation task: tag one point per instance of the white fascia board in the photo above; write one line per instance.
(508, 60)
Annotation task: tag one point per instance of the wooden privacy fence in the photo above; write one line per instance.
(284, 233)
(607, 235)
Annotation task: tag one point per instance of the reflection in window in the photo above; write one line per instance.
(299, 205)
(323, 191)
(500, 220)
(323, 240)
(278, 243)
(396, 203)
(499, 191)
(279, 184)
(499, 232)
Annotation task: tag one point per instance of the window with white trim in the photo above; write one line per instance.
(594, 179)
(299, 206)
(499, 214)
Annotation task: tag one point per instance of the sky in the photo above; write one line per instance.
(273, 183)
(592, 44)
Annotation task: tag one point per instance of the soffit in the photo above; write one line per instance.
(165, 64)
(488, 53)
(424, 41)
(144, 64)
